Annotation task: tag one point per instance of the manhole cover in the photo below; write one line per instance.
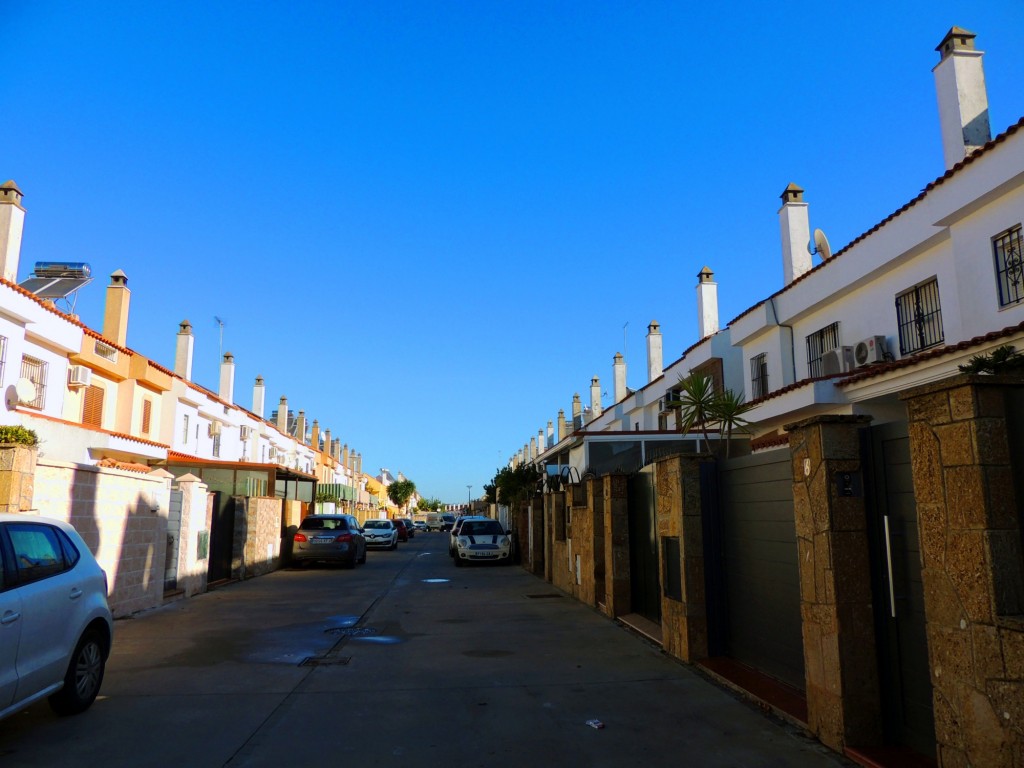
(543, 596)
(319, 661)
(351, 631)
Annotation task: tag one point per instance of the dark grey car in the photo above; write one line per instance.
(333, 538)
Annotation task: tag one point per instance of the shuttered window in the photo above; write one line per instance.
(92, 410)
(147, 415)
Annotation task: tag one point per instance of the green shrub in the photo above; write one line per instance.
(18, 436)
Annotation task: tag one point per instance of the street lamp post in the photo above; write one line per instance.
(469, 497)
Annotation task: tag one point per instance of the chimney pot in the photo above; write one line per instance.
(12, 226)
(962, 96)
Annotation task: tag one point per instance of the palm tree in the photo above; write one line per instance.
(696, 401)
(728, 411)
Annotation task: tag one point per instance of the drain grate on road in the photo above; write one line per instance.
(543, 595)
(322, 661)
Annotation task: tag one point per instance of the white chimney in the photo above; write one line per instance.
(227, 378)
(707, 304)
(183, 351)
(282, 415)
(796, 234)
(619, 377)
(259, 397)
(562, 431)
(328, 444)
(577, 411)
(595, 398)
(533, 447)
(963, 101)
(551, 432)
(654, 351)
(12, 225)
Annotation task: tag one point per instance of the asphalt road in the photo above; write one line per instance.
(406, 661)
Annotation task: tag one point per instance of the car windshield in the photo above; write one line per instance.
(377, 524)
(481, 528)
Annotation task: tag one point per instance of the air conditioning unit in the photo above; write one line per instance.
(214, 428)
(870, 350)
(79, 376)
(244, 432)
(838, 360)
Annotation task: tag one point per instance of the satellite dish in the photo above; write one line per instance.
(821, 246)
(11, 397)
(25, 390)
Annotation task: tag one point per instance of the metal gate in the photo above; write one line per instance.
(758, 567)
(907, 713)
(222, 537)
(173, 540)
(644, 582)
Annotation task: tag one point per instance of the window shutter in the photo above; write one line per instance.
(92, 411)
(147, 413)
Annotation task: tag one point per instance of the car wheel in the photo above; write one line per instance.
(394, 545)
(84, 676)
(362, 559)
(458, 561)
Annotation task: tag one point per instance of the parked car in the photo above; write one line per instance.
(419, 525)
(55, 624)
(455, 530)
(482, 539)
(434, 521)
(381, 533)
(333, 538)
(447, 521)
(403, 532)
(410, 526)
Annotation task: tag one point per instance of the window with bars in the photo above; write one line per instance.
(216, 445)
(105, 351)
(1006, 247)
(184, 431)
(818, 343)
(3, 356)
(919, 317)
(758, 376)
(35, 371)
(92, 407)
(147, 415)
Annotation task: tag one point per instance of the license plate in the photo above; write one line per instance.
(323, 539)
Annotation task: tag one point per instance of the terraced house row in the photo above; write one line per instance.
(172, 486)
(855, 559)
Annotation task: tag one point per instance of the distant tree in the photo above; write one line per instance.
(401, 491)
(511, 486)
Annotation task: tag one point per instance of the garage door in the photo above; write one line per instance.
(760, 585)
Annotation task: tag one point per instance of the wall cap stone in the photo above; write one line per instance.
(963, 380)
(829, 418)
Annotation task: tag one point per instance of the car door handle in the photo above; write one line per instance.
(10, 617)
(75, 593)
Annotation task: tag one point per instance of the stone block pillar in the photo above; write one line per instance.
(843, 698)
(677, 500)
(194, 541)
(967, 454)
(17, 477)
(616, 549)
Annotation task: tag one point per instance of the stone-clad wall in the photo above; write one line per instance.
(973, 569)
(258, 529)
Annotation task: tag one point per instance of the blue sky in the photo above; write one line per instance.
(427, 224)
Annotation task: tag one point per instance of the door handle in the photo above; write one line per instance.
(10, 617)
(75, 593)
(888, 563)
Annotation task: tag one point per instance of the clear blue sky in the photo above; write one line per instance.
(428, 223)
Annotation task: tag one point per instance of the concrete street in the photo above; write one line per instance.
(412, 662)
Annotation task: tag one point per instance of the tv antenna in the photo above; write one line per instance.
(220, 348)
(820, 246)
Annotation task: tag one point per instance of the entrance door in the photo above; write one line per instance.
(645, 586)
(899, 594)
(222, 537)
(759, 566)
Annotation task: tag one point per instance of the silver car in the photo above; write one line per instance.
(55, 624)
